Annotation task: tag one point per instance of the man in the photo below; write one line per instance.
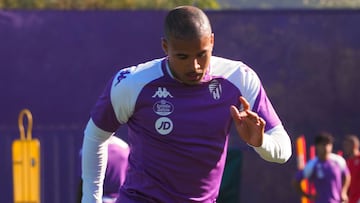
(327, 172)
(179, 110)
(352, 156)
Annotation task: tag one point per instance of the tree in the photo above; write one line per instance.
(104, 4)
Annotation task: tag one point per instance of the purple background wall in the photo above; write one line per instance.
(56, 63)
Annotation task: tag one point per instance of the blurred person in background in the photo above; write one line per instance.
(352, 155)
(327, 171)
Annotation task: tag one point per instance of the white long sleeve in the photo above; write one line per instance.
(276, 145)
(94, 160)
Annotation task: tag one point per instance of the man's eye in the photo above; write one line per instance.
(202, 54)
(182, 57)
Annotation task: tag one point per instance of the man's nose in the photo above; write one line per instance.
(195, 64)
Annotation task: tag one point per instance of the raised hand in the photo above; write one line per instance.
(249, 125)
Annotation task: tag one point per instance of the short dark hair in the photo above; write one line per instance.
(186, 22)
(324, 138)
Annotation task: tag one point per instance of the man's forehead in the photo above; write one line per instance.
(191, 46)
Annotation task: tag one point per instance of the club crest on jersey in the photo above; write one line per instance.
(215, 89)
(163, 125)
(162, 93)
(163, 108)
(122, 75)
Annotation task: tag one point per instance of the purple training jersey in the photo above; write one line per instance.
(178, 133)
(326, 177)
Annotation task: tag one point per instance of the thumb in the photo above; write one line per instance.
(234, 111)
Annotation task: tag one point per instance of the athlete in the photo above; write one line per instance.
(179, 110)
(327, 172)
(352, 155)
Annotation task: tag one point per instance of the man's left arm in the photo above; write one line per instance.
(276, 146)
(346, 179)
(272, 145)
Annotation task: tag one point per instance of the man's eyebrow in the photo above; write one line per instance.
(202, 52)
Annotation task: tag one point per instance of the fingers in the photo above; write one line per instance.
(254, 118)
(246, 113)
(262, 122)
(234, 112)
(245, 103)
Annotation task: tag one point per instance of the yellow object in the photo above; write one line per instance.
(26, 163)
(301, 162)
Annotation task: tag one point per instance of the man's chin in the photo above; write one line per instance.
(192, 82)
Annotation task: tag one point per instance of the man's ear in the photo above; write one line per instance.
(164, 45)
(212, 39)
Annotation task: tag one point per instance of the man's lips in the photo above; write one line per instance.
(194, 76)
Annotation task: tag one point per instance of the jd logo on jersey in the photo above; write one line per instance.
(164, 125)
